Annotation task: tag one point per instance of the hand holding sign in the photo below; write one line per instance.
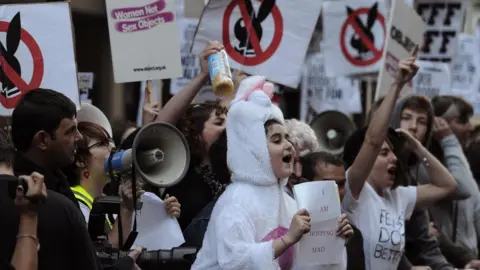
(407, 68)
(150, 110)
(299, 226)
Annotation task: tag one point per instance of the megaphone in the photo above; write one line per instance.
(92, 114)
(332, 129)
(160, 154)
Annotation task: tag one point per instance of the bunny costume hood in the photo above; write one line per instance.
(254, 210)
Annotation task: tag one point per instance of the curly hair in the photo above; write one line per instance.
(302, 135)
(193, 123)
(7, 150)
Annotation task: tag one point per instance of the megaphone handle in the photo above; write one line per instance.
(133, 234)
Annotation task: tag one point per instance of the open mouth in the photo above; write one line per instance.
(392, 171)
(287, 158)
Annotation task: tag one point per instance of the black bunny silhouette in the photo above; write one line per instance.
(356, 41)
(12, 41)
(244, 45)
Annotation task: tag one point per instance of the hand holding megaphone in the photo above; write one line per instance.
(126, 193)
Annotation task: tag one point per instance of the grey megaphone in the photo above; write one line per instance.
(332, 129)
(160, 154)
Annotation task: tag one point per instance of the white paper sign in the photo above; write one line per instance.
(432, 79)
(190, 62)
(85, 80)
(353, 36)
(444, 20)
(466, 69)
(157, 230)
(321, 245)
(144, 40)
(405, 30)
(278, 39)
(38, 52)
(323, 93)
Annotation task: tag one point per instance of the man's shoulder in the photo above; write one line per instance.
(57, 203)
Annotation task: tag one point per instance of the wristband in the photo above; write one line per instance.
(31, 237)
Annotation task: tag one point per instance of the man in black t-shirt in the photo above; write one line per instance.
(44, 132)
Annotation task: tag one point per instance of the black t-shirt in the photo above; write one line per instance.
(63, 236)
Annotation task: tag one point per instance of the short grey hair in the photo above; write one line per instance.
(302, 136)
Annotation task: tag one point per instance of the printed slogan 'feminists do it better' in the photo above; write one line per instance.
(391, 237)
(134, 19)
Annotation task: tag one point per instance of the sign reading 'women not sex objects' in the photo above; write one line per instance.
(144, 39)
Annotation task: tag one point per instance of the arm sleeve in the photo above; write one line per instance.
(421, 248)
(237, 248)
(457, 165)
(404, 263)
(350, 204)
(456, 255)
(83, 254)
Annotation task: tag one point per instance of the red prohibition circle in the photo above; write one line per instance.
(377, 54)
(38, 68)
(263, 55)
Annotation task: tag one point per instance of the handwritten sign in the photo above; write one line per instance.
(144, 40)
(322, 245)
(323, 93)
(432, 79)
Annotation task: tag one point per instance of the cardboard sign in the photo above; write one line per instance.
(38, 52)
(353, 36)
(466, 68)
(144, 40)
(444, 20)
(322, 93)
(405, 30)
(432, 79)
(259, 36)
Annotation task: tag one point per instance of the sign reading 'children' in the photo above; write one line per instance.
(133, 19)
(144, 39)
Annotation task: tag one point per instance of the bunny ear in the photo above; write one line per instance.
(13, 34)
(265, 9)
(372, 15)
(349, 10)
(251, 12)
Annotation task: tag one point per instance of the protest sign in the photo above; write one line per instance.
(321, 245)
(466, 69)
(37, 52)
(322, 93)
(353, 36)
(432, 79)
(85, 83)
(144, 40)
(405, 31)
(261, 43)
(444, 21)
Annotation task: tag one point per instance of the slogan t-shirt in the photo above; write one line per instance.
(381, 220)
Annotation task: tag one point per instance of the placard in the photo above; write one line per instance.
(354, 34)
(432, 79)
(322, 93)
(144, 40)
(444, 21)
(38, 52)
(405, 31)
(272, 43)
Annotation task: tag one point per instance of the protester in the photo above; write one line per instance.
(373, 192)
(258, 162)
(323, 166)
(87, 177)
(420, 247)
(458, 221)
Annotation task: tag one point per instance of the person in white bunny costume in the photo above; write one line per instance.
(248, 226)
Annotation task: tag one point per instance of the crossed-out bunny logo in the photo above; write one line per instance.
(359, 44)
(12, 83)
(252, 45)
(133, 19)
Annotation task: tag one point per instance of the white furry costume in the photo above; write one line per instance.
(254, 210)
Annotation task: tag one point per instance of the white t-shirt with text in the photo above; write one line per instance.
(381, 220)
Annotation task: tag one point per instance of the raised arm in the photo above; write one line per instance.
(378, 127)
(442, 182)
(178, 104)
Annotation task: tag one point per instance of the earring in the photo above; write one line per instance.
(86, 174)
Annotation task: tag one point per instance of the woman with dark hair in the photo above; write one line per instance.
(201, 125)
(375, 200)
(87, 178)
